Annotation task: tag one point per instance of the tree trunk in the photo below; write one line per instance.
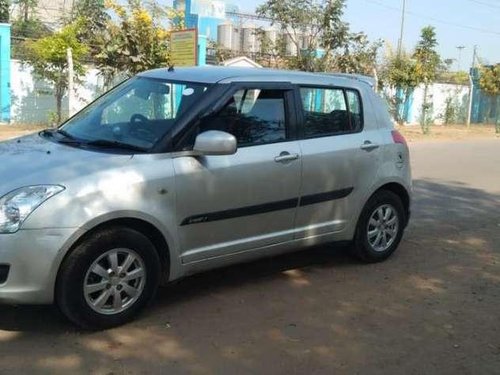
(71, 92)
(26, 12)
(497, 122)
(424, 121)
(59, 92)
(375, 77)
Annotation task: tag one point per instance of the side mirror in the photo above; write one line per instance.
(215, 142)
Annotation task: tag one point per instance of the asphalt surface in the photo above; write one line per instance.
(433, 308)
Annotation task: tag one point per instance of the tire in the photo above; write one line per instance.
(365, 246)
(90, 298)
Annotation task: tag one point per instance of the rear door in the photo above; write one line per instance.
(232, 203)
(339, 158)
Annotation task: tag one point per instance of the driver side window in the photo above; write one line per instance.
(253, 116)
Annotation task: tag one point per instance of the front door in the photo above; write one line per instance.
(232, 203)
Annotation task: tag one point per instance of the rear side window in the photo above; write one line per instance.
(253, 116)
(330, 111)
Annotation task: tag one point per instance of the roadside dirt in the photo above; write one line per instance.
(448, 133)
(13, 131)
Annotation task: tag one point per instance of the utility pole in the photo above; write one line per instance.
(459, 62)
(471, 86)
(474, 56)
(400, 42)
(71, 79)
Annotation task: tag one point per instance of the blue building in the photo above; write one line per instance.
(205, 15)
(5, 97)
(485, 107)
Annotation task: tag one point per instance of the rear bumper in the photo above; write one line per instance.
(33, 257)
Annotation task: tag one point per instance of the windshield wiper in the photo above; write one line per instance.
(47, 132)
(114, 144)
(65, 134)
(67, 138)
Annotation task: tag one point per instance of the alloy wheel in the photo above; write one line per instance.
(114, 281)
(383, 227)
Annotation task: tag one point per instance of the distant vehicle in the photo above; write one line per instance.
(176, 172)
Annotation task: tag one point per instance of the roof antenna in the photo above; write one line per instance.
(171, 68)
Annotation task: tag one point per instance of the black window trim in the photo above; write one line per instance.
(166, 143)
(291, 120)
(361, 108)
(301, 111)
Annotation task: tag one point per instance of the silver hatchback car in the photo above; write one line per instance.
(178, 171)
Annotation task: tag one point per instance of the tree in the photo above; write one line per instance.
(31, 28)
(26, 26)
(398, 73)
(271, 49)
(93, 18)
(456, 78)
(92, 12)
(427, 62)
(301, 22)
(26, 8)
(358, 56)
(490, 84)
(4, 11)
(318, 34)
(48, 58)
(135, 39)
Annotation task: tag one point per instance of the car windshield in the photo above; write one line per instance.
(134, 115)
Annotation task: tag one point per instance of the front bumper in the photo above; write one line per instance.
(33, 257)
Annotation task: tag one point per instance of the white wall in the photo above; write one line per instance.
(33, 100)
(437, 95)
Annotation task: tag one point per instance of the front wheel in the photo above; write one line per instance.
(380, 227)
(108, 278)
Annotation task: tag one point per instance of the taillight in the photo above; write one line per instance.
(397, 137)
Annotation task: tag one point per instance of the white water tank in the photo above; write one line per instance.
(250, 39)
(225, 35)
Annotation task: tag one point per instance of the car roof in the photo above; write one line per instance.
(224, 74)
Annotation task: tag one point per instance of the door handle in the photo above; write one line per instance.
(368, 146)
(285, 157)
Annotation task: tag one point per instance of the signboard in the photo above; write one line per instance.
(184, 47)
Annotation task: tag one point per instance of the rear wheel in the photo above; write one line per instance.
(108, 278)
(380, 227)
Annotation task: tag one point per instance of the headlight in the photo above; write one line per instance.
(17, 205)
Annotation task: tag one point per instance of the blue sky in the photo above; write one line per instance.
(478, 23)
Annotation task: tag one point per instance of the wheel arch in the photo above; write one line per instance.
(401, 192)
(143, 226)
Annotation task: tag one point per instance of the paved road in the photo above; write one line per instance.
(433, 308)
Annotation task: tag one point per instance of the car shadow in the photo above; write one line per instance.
(306, 260)
(45, 319)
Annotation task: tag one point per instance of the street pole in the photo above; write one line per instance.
(399, 52)
(459, 62)
(400, 42)
(471, 87)
(71, 79)
(474, 56)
